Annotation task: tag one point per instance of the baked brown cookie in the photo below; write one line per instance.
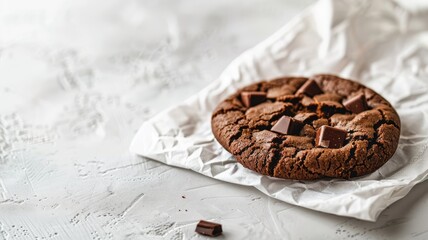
(308, 128)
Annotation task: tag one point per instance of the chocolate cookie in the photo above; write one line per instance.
(308, 128)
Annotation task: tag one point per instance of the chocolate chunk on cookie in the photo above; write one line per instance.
(310, 88)
(330, 137)
(308, 128)
(287, 125)
(356, 104)
(251, 99)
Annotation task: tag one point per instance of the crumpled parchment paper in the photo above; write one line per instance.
(382, 44)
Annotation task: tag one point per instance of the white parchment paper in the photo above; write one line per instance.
(382, 44)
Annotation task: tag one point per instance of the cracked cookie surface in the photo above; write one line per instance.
(372, 135)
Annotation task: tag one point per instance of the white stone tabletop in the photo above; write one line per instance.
(77, 79)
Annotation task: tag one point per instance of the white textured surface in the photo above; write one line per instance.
(77, 78)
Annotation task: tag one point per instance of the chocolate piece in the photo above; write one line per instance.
(330, 137)
(251, 99)
(356, 104)
(310, 88)
(208, 228)
(287, 125)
